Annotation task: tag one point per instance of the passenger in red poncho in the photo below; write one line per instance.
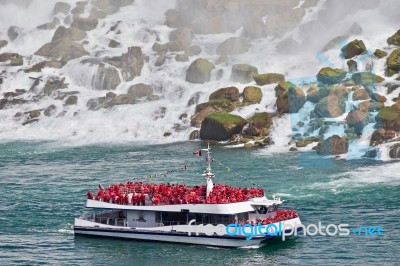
(89, 195)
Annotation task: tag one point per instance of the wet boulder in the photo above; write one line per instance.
(160, 60)
(268, 78)
(352, 65)
(71, 100)
(243, 73)
(3, 43)
(393, 62)
(39, 66)
(70, 33)
(114, 44)
(366, 78)
(334, 145)
(229, 93)
(290, 98)
(380, 54)
(394, 151)
(63, 44)
(222, 105)
(107, 78)
(330, 106)
(79, 8)
(49, 25)
(160, 48)
(207, 108)
(233, 46)
(198, 118)
(130, 63)
(33, 114)
(381, 135)
(140, 90)
(13, 59)
(221, 126)
(394, 39)
(199, 71)
(110, 100)
(390, 118)
(360, 95)
(193, 50)
(357, 120)
(315, 93)
(195, 134)
(259, 125)
(353, 48)
(329, 75)
(303, 143)
(50, 111)
(5, 103)
(64, 48)
(180, 39)
(53, 85)
(252, 95)
(378, 98)
(61, 7)
(13, 32)
(181, 58)
(31, 121)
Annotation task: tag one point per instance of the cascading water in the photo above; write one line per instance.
(142, 24)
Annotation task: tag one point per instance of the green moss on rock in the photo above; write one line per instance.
(259, 125)
(290, 98)
(252, 95)
(390, 118)
(393, 63)
(395, 39)
(314, 94)
(380, 54)
(366, 78)
(329, 75)
(353, 48)
(221, 126)
(199, 71)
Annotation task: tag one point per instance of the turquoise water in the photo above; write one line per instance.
(43, 187)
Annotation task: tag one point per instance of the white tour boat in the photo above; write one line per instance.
(214, 215)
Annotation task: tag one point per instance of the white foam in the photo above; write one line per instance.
(386, 174)
(142, 24)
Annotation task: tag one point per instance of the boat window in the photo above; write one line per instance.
(262, 209)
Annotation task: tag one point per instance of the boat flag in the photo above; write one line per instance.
(197, 153)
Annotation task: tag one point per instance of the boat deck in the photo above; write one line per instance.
(137, 193)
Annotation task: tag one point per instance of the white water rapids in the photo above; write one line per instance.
(142, 24)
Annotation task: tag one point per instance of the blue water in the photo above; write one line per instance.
(43, 187)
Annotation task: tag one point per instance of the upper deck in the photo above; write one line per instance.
(137, 193)
(171, 197)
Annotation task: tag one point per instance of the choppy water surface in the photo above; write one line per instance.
(43, 186)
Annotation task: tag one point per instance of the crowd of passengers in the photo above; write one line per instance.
(137, 193)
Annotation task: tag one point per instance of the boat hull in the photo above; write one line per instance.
(87, 228)
(183, 238)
